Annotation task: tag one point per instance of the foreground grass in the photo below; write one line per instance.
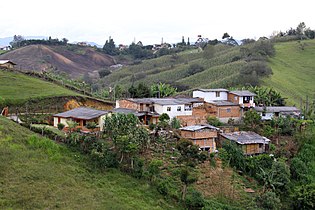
(16, 88)
(37, 173)
(293, 70)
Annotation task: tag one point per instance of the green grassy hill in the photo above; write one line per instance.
(293, 70)
(16, 88)
(37, 173)
(176, 69)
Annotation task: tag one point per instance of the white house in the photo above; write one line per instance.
(269, 112)
(172, 106)
(210, 95)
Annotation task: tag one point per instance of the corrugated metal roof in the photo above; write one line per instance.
(165, 101)
(135, 112)
(242, 93)
(213, 90)
(277, 109)
(6, 61)
(243, 137)
(82, 113)
(223, 103)
(198, 127)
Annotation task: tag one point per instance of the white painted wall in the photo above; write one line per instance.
(268, 116)
(101, 121)
(173, 113)
(210, 96)
(241, 100)
(62, 120)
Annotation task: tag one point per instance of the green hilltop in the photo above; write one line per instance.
(37, 173)
(293, 71)
(17, 88)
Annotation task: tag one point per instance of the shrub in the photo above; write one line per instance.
(194, 69)
(269, 200)
(304, 197)
(104, 72)
(60, 126)
(194, 200)
(175, 123)
(214, 121)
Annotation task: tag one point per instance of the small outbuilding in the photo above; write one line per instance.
(82, 116)
(202, 135)
(269, 112)
(250, 142)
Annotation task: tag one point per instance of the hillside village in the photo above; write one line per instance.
(221, 144)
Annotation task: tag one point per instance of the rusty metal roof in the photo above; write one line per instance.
(198, 127)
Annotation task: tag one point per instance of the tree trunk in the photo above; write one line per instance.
(184, 192)
(122, 157)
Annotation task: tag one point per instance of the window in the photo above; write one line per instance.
(264, 114)
(188, 107)
(179, 108)
(168, 109)
(246, 99)
(217, 94)
(235, 98)
(228, 110)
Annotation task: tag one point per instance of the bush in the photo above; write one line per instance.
(60, 126)
(269, 200)
(304, 197)
(214, 121)
(104, 72)
(194, 200)
(194, 69)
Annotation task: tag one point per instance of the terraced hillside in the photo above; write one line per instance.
(294, 71)
(37, 173)
(189, 68)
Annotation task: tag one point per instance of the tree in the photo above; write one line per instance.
(225, 35)
(109, 47)
(16, 42)
(214, 121)
(300, 29)
(187, 178)
(252, 120)
(104, 72)
(129, 139)
(72, 125)
(269, 200)
(162, 90)
(175, 123)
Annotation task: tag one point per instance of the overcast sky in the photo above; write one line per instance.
(150, 20)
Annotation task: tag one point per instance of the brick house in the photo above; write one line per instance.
(225, 104)
(181, 108)
(202, 135)
(250, 142)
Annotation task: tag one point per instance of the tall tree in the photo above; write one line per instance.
(109, 47)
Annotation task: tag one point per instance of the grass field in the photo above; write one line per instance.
(293, 71)
(16, 88)
(37, 173)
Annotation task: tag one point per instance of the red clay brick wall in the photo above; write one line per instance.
(128, 104)
(235, 111)
(231, 98)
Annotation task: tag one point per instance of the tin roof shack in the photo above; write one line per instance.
(82, 116)
(269, 112)
(250, 142)
(202, 135)
(7, 64)
(146, 118)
